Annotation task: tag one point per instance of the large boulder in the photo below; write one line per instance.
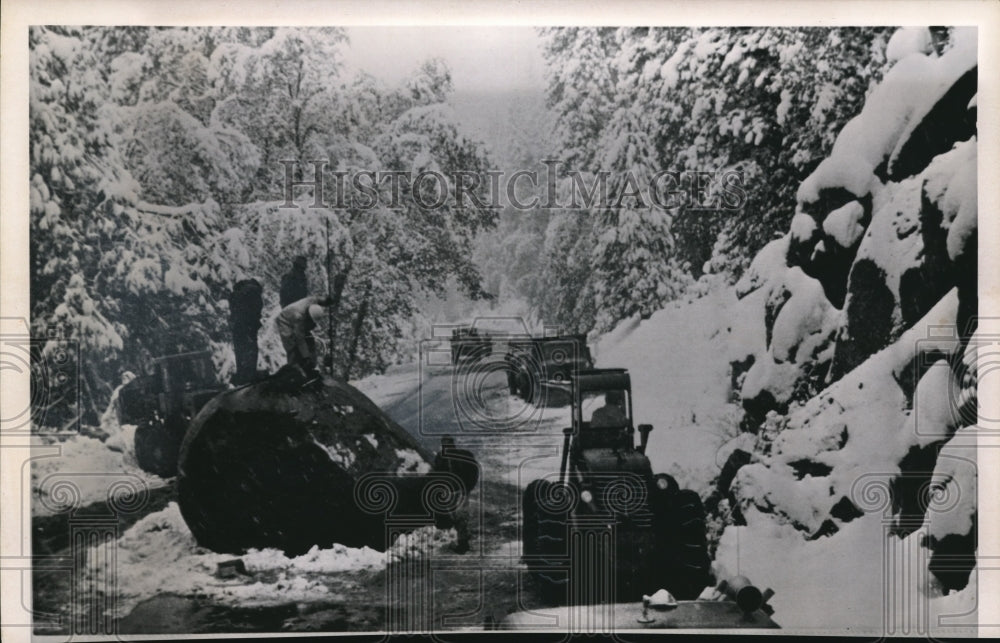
(903, 265)
(290, 464)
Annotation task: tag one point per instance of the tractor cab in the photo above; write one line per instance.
(602, 409)
(602, 437)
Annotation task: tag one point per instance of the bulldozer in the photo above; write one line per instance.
(162, 403)
(606, 529)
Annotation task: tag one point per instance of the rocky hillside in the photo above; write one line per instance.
(855, 349)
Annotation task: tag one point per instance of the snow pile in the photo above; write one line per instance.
(863, 581)
(91, 466)
(161, 541)
(679, 362)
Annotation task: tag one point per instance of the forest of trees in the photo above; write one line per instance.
(765, 102)
(157, 179)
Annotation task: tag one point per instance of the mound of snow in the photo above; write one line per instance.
(679, 362)
(861, 580)
(909, 40)
(162, 542)
(89, 465)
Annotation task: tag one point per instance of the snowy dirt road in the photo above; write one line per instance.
(161, 581)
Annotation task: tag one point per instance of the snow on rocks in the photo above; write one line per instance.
(907, 93)
(909, 40)
(951, 186)
(799, 327)
(862, 447)
(845, 224)
(903, 264)
(917, 112)
(941, 114)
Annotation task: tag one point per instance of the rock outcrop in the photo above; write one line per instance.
(864, 376)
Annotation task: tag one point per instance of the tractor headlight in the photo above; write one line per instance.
(586, 496)
(662, 484)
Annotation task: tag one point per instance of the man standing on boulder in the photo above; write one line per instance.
(295, 325)
(294, 285)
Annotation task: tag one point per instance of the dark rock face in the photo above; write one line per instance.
(869, 318)
(279, 464)
(949, 120)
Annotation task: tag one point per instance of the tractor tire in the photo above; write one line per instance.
(691, 563)
(529, 523)
(545, 543)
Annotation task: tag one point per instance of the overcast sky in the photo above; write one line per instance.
(494, 70)
(482, 59)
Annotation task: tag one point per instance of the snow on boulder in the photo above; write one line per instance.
(941, 116)
(769, 263)
(799, 326)
(804, 322)
(856, 432)
(290, 465)
(952, 511)
(903, 265)
(909, 40)
(845, 224)
(867, 140)
(950, 184)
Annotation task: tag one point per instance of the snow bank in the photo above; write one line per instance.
(162, 542)
(862, 581)
(89, 465)
(679, 362)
